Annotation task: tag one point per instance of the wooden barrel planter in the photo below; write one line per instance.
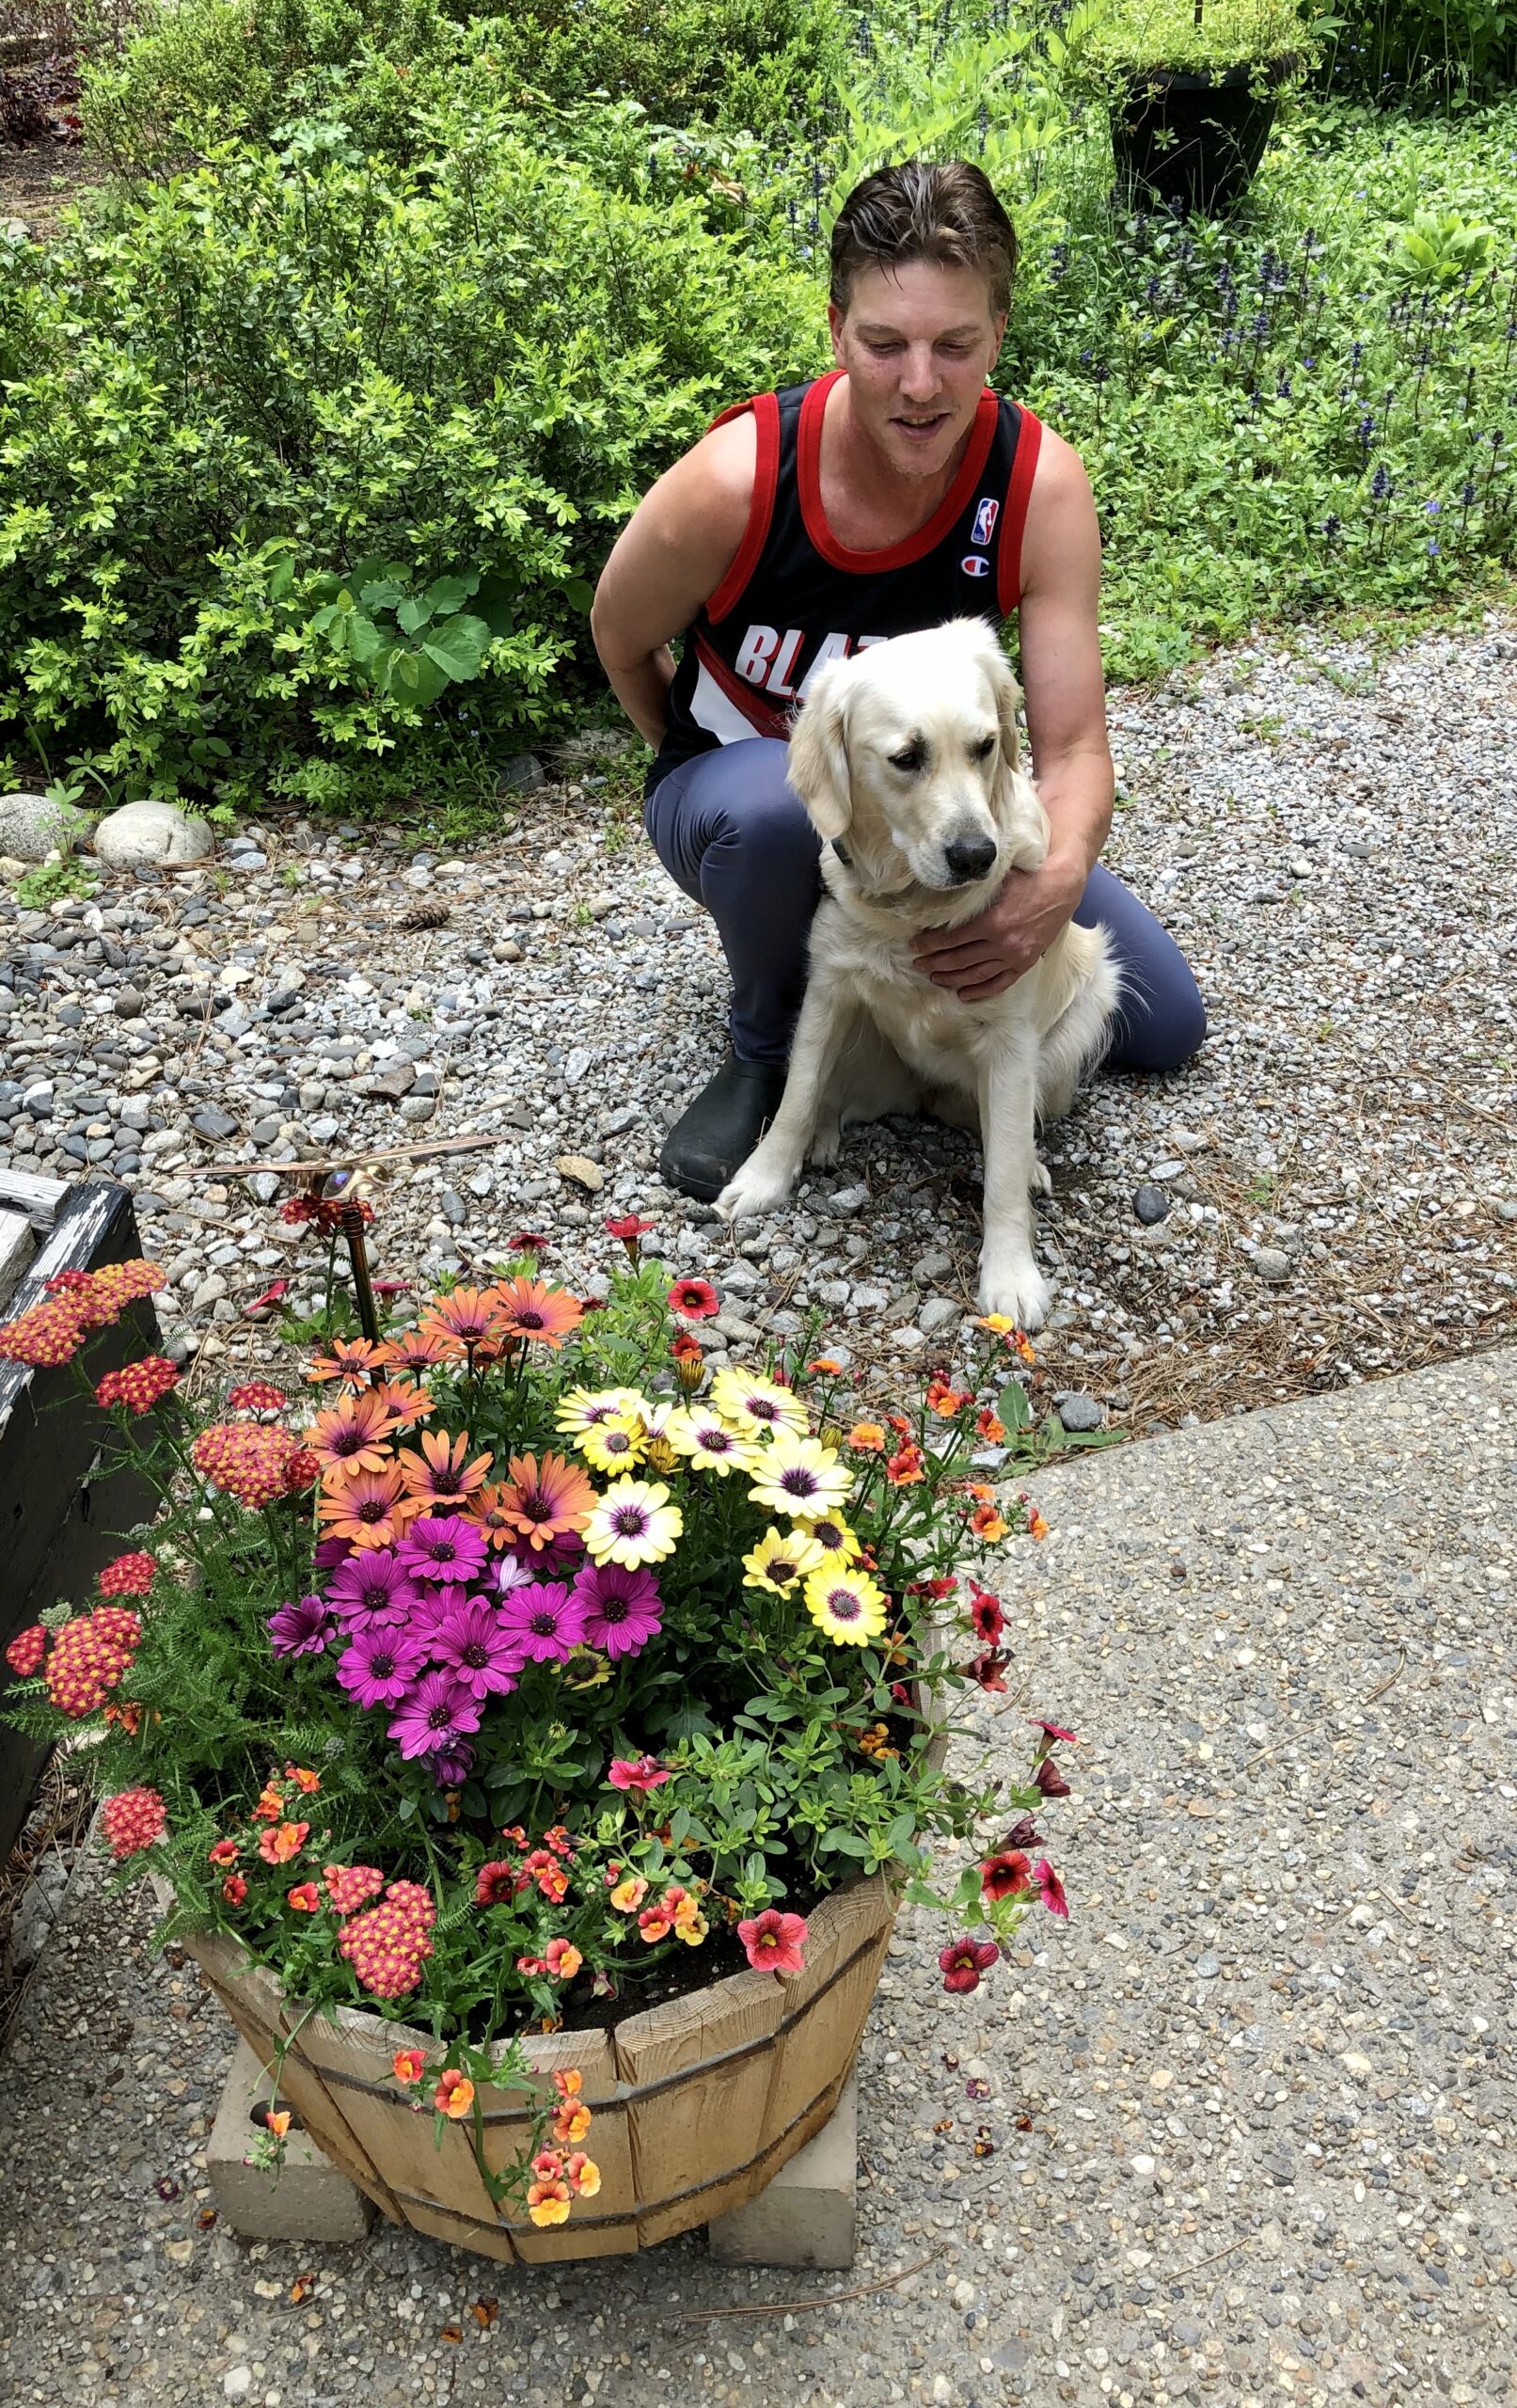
(696, 2104)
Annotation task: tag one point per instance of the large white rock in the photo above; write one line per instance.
(152, 835)
(31, 826)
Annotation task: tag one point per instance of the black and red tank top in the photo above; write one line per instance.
(795, 597)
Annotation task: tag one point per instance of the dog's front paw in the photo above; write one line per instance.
(1017, 1289)
(1041, 1182)
(757, 1189)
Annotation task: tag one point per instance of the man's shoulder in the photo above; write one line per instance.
(1060, 512)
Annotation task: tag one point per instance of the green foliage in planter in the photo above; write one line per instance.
(1231, 33)
(236, 388)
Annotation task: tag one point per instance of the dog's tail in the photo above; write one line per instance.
(1084, 1006)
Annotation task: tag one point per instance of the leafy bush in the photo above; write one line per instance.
(1387, 48)
(237, 387)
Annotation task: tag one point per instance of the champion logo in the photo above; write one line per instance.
(975, 564)
(984, 519)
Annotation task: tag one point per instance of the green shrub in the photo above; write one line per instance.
(237, 387)
(1386, 49)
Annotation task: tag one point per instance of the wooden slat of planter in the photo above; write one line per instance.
(827, 2004)
(693, 2133)
(355, 2059)
(17, 1247)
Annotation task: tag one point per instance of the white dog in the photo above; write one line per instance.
(907, 761)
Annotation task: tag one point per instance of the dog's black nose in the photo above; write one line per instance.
(969, 857)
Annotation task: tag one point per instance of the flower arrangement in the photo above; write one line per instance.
(509, 1665)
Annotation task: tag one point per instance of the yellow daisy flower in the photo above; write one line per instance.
(797, 1476)
(835, 1537)
(847, 1607)
(757, 1406)
(711, 1444)
(777, 1564)
(633, 1524)
(583, 1408)
(616, 1444)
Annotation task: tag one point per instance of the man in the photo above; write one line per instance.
(890, 496)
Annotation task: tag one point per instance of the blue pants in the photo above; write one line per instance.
(733, 833)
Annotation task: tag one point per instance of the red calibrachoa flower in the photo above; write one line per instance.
(224, 1852)
(133, 1820)
(1002, 1876)
(964, 1961)
(987, 1620)
(129, 1576)
(234, 1889)
(1051, 1887)
(639, 1773)
(138, 1386)
(694, 1299)
(305, 1897)
(629, 1227)
(1050, 1780)
(774, 1942)
(26, 1651)
(495, 1883)
(987, 1670)
(1051, 1731)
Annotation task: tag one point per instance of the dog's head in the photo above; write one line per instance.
(909, 754)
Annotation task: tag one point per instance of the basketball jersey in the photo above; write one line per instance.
(795, 597)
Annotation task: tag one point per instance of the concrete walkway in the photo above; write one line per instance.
(1246, 2120)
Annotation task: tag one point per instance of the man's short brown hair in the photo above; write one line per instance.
(923, 210)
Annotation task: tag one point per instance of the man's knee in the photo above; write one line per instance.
(1169, 1033)
(768, 826)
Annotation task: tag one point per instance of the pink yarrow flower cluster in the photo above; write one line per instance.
(388, 1944)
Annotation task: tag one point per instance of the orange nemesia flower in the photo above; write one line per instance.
(281, 1841)
(986, 1524)
(304, 1780)
(571, 2121)
(454, 2094)
(408, 2064)
(867, 1438)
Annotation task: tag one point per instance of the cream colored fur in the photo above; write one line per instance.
(900, 752)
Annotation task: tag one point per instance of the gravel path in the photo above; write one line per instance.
(1333, 1178)
(1249, 2110)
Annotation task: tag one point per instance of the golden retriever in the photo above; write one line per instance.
(906, 758)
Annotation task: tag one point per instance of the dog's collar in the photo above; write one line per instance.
(842, 853)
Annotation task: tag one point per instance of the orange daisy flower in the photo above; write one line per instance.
(352, 1433)
(371, 1508)
(531, 1311)
(411, 1352)
(492, 1517)
(403, 1404)
(544, 1501)
(358, 1359)
(439, 1474)
(469, 1321)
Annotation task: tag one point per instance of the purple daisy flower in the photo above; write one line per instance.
(564, 1553)
(542, 1623)
(470, 1642)
(301, 1629)
(443, 1546)
(435, 1716)
(330, 1552)
(380, 1667)
(450, 1770)
(511, 1573)
(371, 1589)
(623, 1608)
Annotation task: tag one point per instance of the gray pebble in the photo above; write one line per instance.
(1150, 1203)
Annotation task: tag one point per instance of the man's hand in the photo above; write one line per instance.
(984, 955)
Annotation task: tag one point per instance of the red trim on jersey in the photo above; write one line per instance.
(1018, 489)
(913, 548)
(765, 409)
(764, 718)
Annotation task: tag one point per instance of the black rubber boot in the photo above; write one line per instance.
(716, 1135)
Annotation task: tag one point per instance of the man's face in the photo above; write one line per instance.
(918, 344)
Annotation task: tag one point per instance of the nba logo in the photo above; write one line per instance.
(975, 563)
(984, 519)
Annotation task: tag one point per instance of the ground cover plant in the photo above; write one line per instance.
(406, 322)
(506, 1666)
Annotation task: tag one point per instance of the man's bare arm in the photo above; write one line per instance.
(670, 558)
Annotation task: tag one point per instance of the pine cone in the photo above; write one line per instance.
(426, 915)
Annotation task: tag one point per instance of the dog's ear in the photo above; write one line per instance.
(818, 767)
(1007, 695)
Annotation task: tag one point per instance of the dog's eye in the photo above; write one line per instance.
(985, 748)
(910, 759)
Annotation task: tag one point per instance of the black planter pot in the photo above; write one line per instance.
(1195, 139)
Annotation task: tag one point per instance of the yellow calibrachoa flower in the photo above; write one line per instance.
(582, 1408)
(755, 1406)
(797, 1476)
(616, 1444)
(848, 1606)
(777, 1564)
(711, 1444)
(693, 1930)
(633, 1524)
